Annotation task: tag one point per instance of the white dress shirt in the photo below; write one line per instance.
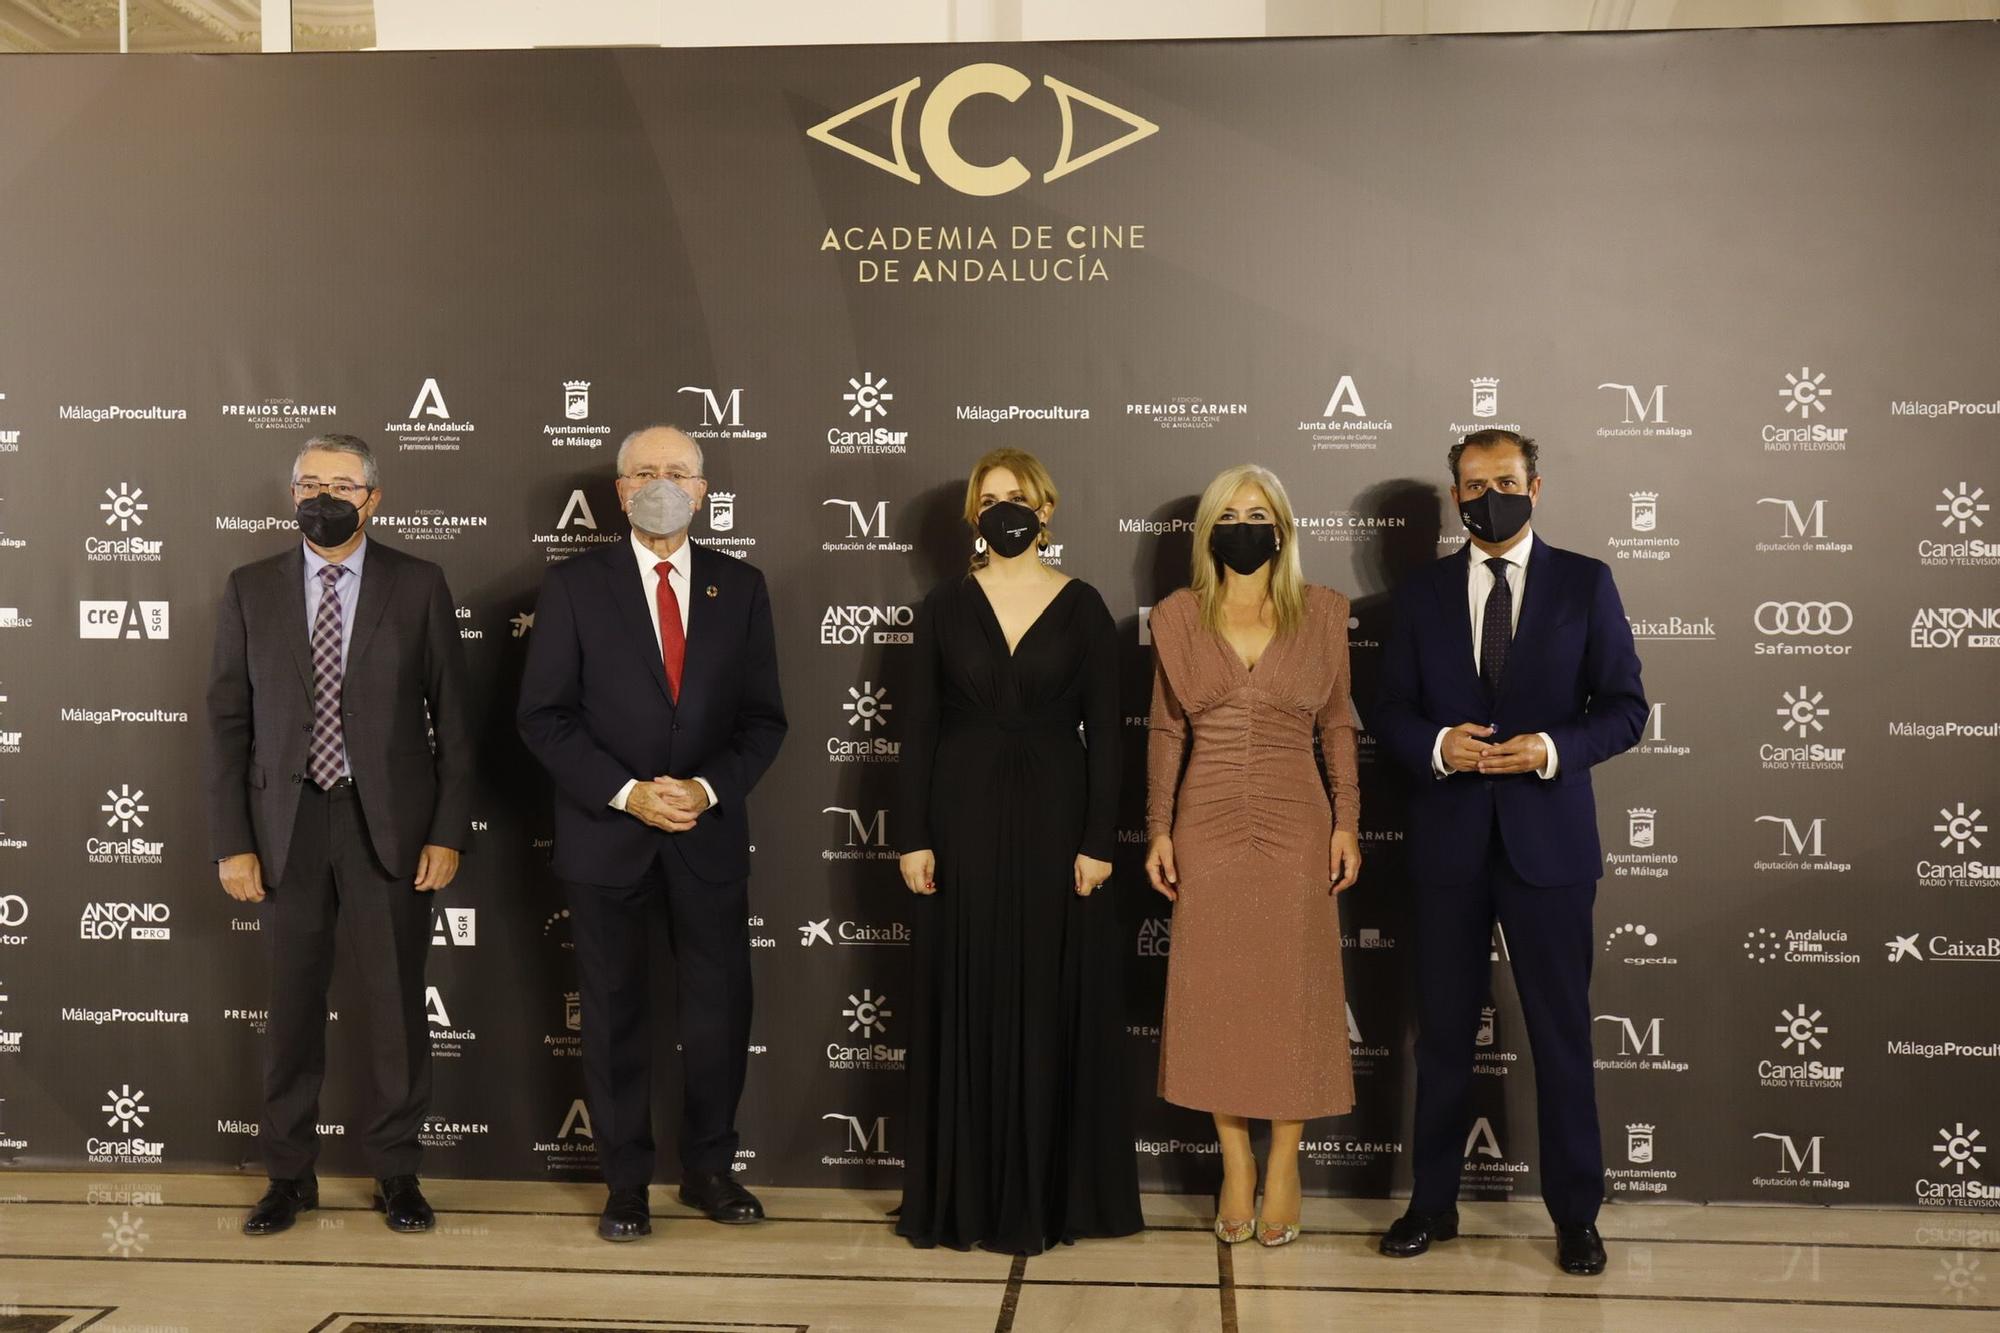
(1478, 587)
(649, 579)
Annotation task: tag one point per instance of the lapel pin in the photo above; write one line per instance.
(711, 590)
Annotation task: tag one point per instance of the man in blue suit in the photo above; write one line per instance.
(651, 696)
(1509, 674)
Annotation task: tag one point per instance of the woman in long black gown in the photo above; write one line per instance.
(1018, 1133)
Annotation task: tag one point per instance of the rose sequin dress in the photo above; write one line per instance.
(1255, 1020)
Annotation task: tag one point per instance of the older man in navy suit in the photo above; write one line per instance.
(1509, 674)
(651, 696)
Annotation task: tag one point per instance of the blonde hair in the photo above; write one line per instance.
(1038, 488)
(1288, 582)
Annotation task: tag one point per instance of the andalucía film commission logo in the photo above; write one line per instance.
(998, 251)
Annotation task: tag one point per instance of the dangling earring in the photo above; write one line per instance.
(1042, 538)
(979, 546)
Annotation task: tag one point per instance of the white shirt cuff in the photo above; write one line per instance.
(624, 794)
(1548, 769)
(712, 802)
(1437, 754)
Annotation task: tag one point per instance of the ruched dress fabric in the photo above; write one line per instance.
(1256, 1013)
(1018, 1134)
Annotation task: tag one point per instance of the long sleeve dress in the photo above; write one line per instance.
(1018, 1133)
(1255, 1020)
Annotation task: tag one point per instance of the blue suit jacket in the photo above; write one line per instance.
(595, 709)
(1571, 672)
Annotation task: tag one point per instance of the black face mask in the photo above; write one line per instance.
(1009, 528)
(327, 521)
(1496, 515)
(1244, 547)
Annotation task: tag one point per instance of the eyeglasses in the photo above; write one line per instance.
(675, 475)
(351, 491)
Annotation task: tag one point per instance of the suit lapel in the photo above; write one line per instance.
(628, 594)
(1452, 603)
(291, 603)
(701, 616)
(377, 576)
(1539, 598)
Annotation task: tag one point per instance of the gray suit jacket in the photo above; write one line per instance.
(408, 725)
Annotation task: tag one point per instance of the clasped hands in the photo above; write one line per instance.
(669, 804)
(1465, 750)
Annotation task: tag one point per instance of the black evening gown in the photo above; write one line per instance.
(1018, 1134)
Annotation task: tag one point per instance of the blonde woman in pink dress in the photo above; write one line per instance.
(1252, 842)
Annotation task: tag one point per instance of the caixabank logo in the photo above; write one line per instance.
(983, 151)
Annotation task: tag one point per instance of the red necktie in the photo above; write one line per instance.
(673, 640)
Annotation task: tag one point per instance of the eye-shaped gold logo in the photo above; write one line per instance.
(934, 129)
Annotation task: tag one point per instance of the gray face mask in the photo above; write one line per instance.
(660, 508)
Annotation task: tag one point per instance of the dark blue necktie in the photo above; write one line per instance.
(1496, 629)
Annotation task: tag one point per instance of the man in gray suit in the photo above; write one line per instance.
(339, 792)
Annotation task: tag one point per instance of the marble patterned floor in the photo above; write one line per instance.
(148, 1254)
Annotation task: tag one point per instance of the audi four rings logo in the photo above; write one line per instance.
(1804, 618)
(13, 910)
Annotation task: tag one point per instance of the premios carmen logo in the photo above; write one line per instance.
(1001, 251)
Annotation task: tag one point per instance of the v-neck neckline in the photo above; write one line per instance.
(1249, 669)
(993, 615)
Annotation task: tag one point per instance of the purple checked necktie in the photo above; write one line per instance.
(325, 763)
(1497, 630)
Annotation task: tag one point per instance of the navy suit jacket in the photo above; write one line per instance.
(596, 711)
(1571, 672)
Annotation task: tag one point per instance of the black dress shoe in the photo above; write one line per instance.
(625, 1216)
(281, 1205)
(1580, 1250)
(717, 1194)
(403, 1204)
(1413, 1233)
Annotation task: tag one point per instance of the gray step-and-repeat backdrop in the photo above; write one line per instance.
(1742, 285)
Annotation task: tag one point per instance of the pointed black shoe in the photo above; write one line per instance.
(1413, 1233)
(718, 1195)
(403, 1204)
(625, 1216)
(281, 1205)
(1580, 1250)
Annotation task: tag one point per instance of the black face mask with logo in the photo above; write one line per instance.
(327, 521)
(1496, 515)
(1009, 528)
(1244, 547)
